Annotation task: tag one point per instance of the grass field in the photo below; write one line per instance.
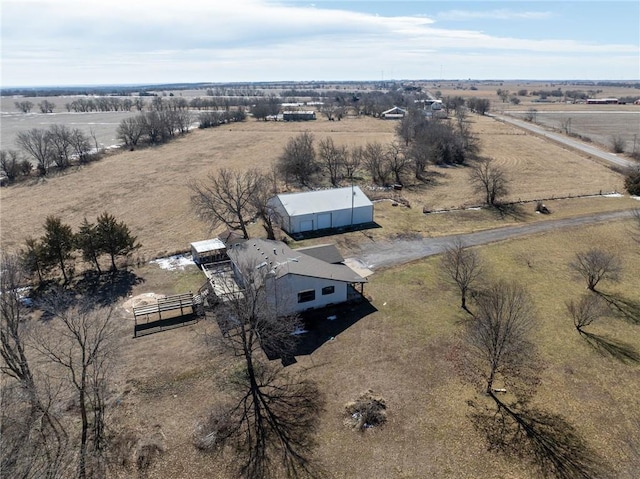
(401, 352)
(148, 188)
(164, 382)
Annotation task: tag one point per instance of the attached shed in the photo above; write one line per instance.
(322, 209)
(209, 251)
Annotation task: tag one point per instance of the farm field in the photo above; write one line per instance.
(598, 124)
(148, 188)
(402, 352)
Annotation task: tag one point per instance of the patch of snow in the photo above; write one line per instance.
(635, 198)
(332, 318)
(613, 195)
(174, 262)
(299, 331)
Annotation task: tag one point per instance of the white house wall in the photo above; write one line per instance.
(288, 287)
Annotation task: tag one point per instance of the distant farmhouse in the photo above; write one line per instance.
(395, 113)
(322, 210)
(295, 280)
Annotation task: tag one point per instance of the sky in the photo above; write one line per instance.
(111, 42)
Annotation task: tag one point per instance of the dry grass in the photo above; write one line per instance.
(148, 189)
(401, 352)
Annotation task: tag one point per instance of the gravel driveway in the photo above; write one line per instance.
(376, 255)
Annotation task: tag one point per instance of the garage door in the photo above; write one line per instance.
(324, 221)
(306, 225)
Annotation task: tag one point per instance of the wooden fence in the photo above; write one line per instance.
(170, 311)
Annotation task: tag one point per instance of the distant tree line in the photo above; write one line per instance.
(58, 146)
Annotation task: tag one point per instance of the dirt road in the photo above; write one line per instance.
(383, 254)
(578, 145)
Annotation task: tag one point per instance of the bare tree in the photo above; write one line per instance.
(565, 125)
(398, 162)
(24, 106)
(225, 198)
(531, 115)
(298, 160)
(130, 130)
(270, 418)
(10, 163)
(80, 343)
(259, 200)
(490, 180)
(584, 312)
(409, 125)
(46, 106)
(499, 338)
(332, 111)
(37, 143)
(462, 267)
(60, 137)
(374, 158)
(596, 265)
(352, 162)
(80, 144)
(618, 143)
(332, 158)
(34, 442)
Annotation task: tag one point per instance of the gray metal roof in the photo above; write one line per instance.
(323, 200)
(277, 258)
(324, 252)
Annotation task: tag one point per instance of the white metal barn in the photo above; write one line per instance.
(322, 209)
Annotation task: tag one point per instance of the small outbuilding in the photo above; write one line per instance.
(395, 113)
(322, 210)
(298, 115)
(209, 251)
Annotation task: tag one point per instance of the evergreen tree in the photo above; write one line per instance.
(114, 238)
(88, 241)
(58, 244)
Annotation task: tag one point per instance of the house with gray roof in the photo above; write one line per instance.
(322, 209)
(295, 280)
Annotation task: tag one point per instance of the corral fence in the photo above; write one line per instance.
(169, 312)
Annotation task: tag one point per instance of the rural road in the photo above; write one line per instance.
(383, 254)
(578, 145)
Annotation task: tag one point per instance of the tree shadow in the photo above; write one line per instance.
(625, 308)
(514, 211)
(270, 425)
(547, 441)
(108, 288)
(611, 347)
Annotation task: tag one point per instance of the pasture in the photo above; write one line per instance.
(148, 188)
(164, 382)
(403, 353)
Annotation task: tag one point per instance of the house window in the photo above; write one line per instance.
(328, 290)
(306, 296)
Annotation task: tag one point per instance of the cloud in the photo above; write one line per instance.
(82, 41)
(499, 14)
